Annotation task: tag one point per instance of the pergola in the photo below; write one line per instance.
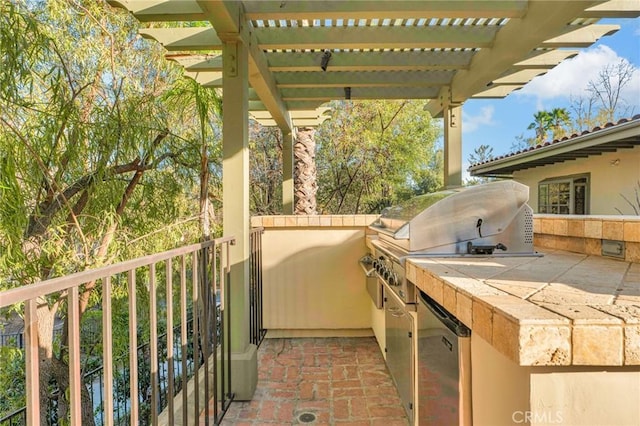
(280, 61)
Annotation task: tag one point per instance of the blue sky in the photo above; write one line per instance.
(499, 122)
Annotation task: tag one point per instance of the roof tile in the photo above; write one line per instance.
(565, 138)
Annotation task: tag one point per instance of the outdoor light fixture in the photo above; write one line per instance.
(347, 93)
(324, 62)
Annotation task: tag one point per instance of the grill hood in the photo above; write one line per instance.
(457, 220)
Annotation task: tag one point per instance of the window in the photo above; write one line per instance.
(564, 195)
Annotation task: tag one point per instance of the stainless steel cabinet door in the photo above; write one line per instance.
(399, 334)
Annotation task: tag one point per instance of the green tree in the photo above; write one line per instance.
(522, 143)
(12, 380)
(201, 107)
(583, 110)
(559, 118)
(372, 154)
(479, 155)
(541, 124)
(265, 171)
(96, 164)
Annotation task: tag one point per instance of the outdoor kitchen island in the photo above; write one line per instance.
(530, 364)
(554, 339)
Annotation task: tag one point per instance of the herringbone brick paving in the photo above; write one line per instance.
(320, 381)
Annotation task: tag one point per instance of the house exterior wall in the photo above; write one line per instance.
(608, 182)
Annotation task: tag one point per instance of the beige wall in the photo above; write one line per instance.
(606, 184)
(504, 393)
(312, 279)
(499, 387)
(587, 397)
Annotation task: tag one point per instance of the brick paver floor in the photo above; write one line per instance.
(333, 381)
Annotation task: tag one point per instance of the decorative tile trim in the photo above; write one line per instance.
(313, 221)
(584, 234)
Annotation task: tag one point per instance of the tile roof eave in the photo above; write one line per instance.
(549, 149)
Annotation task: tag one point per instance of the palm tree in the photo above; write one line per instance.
(205, 104)
(305, 182)
(541, 124)
(558, 118)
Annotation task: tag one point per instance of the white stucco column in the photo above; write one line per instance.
(235, 210)
(452, 146)
(287, 172)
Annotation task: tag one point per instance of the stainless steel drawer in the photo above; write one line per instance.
(374, 286)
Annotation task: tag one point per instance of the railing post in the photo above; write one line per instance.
(107, 351)
(170, 349)
(75, 380)
(195, 332)
(183, 337)
(32, 363)
(133, 347)
(153, 337)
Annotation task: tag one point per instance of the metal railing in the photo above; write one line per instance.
(94, 382)
(207, 338)
(15, 340)
(256, 330)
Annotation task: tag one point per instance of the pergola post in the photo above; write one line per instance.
(452, 146)
(235, 211)
(287, 172)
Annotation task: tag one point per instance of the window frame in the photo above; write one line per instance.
(572, 180)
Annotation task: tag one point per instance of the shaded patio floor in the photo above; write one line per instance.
(320, 381)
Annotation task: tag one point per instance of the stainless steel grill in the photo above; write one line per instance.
(493, 219)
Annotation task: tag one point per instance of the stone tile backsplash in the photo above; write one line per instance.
(584, 234)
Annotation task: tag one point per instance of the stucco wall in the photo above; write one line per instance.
(499, 387)
(312, 282)
(506, 394)
(586, 397)
(606, 184)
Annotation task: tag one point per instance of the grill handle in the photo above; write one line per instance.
(366, 263)
(484, 249)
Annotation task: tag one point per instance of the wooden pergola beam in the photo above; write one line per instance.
(397, 9)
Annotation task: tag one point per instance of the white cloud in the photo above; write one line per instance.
(572, 77)
(473, 122)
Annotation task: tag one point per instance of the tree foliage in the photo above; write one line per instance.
(607, 88)
(541, 123)
(265, 169)
(372, 154)
(98, 160)
(603, 103)
(479, 155)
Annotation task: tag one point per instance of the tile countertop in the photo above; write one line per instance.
(560, 309)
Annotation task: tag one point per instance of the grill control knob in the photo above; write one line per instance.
(393, 279)
(386, 274)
